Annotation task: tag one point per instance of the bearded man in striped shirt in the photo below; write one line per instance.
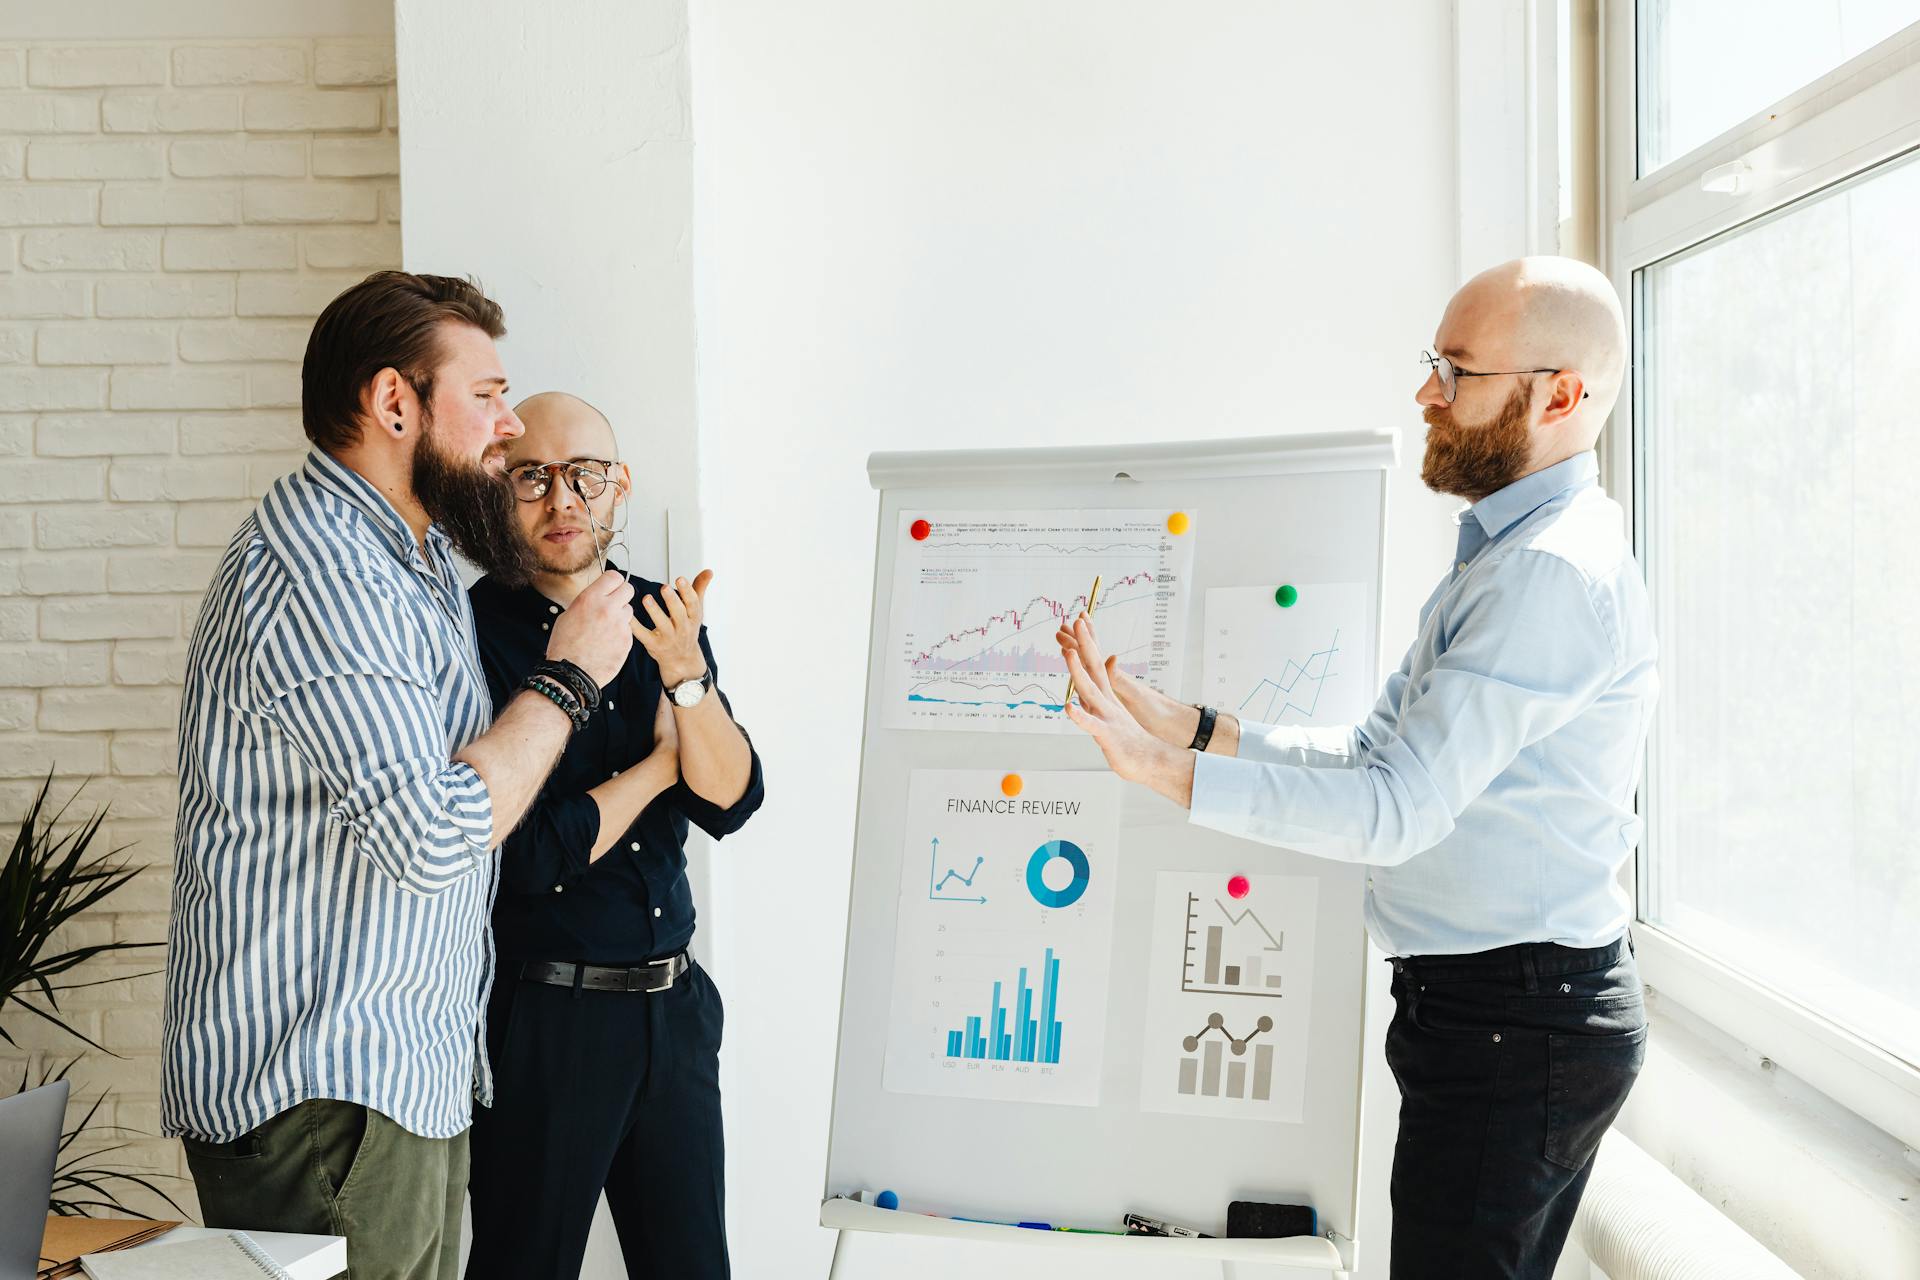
(342, 795)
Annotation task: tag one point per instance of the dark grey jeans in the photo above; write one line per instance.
(1512, 1064)
(339, 1169)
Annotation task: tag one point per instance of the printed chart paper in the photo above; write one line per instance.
(1310, 662)
(1005, 935)
(1229, 998)
(978, 596)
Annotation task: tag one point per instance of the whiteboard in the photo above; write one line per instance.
(1288, 509)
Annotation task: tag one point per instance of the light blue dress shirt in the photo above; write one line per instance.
(1492, 787)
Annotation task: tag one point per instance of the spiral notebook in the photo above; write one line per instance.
(230, 1255)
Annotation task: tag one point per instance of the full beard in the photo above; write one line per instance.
(1472, 462)
(475, 508)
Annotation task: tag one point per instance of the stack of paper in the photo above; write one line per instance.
(67, 1238)
(301, 1257)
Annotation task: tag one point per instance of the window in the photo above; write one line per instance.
(1767, 454)
(1706, 65)
(1776, 406)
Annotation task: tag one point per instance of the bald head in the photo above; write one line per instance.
(560, 425)
(1544, 313)
(569, 531)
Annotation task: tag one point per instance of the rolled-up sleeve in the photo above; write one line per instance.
(1528, 652)
(553, 845)
(345, 672)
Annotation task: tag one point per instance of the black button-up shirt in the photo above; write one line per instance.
(633, 904)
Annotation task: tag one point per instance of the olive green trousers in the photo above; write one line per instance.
(340, 1169)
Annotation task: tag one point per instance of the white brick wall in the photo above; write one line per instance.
(172, 219)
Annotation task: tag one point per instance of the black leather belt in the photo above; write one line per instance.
(656, 975)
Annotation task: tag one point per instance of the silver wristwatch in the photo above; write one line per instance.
(689, 693)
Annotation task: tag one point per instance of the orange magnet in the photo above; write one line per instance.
(1011, 785)
(1178, 523)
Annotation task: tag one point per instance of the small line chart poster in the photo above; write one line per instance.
(978, 596)
(1307, 661)
(1230, 995)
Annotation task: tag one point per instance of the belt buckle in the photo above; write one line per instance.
(643, 976)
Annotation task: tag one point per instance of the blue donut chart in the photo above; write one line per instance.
(1076, 858)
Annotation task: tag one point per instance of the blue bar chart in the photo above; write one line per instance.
(1003, 934)
(1030, 1039)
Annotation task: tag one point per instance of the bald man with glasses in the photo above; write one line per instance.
(1491, 790)
(603, 1032)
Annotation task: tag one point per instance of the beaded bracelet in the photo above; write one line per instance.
(560, 696)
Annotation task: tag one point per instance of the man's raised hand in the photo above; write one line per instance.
(674, 640)
(1166, 718)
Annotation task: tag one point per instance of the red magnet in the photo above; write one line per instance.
(920, 529)
(1238, 887)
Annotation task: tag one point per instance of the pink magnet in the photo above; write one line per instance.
(1239, 887)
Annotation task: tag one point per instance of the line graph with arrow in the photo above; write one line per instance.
(936, 890)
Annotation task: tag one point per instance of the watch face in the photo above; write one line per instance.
(690, 693)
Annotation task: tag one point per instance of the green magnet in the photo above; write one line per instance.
(1285, 597)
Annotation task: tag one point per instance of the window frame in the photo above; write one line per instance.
(1862, 114)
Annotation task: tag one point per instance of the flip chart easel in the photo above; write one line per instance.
(1260, 513)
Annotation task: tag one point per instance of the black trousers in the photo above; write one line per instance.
(1511, 1064)
(601, 1090)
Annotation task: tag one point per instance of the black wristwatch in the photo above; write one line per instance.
(1204, 734)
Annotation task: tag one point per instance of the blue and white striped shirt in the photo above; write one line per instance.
(332, 870)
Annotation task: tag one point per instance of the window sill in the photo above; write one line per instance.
(1826, 1191)
(1867, 1081)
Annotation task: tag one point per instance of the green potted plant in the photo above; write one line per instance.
(47, 880)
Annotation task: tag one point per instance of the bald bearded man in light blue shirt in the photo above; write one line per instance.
(1491, 790)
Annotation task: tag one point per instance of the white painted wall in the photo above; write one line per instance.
(1011, 223)
(552, 159)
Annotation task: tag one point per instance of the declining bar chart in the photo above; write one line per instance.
(1026, 1037)
(1208, 967)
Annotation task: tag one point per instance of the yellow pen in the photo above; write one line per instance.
(1093, 598)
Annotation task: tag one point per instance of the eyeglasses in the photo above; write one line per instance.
(589, 477)
(1450, 374)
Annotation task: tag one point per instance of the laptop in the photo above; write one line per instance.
(30, 1135)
